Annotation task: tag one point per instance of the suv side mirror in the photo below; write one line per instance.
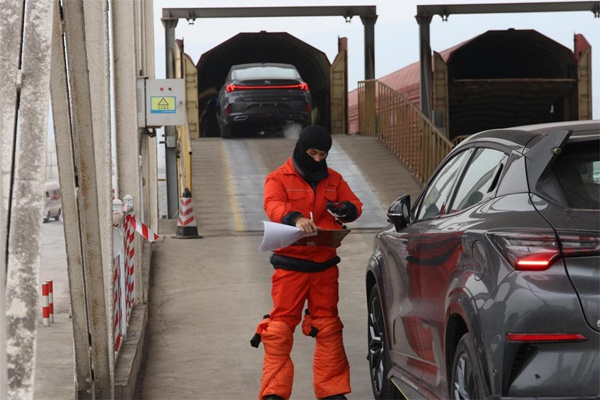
(399, 212)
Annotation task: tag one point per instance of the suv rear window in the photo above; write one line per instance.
(266, 72)
(578, 171)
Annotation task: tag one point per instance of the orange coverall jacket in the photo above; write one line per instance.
(286, 191)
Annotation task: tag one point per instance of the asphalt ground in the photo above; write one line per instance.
(206, 296)
(53, 376)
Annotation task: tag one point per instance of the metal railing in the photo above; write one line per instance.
(400, 125)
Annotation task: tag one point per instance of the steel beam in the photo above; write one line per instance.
(369, 24)
(445, 10)
(426, 78)
(368, 15)
(86, 190)
(66, 164)
(258, 12)
(98, 53)
(426, 12)
(97, 41)
(150, 156)
(170, 132)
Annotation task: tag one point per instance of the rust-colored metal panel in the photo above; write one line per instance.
(440, 91)
(583, 55)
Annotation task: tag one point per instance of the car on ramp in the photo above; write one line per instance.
(263, 98)
(487, 286)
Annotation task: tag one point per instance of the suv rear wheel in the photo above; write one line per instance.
(466, 382)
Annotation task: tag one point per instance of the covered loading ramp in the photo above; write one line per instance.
(170, 18)
(507, 78)
(500, 79)
(281, 47)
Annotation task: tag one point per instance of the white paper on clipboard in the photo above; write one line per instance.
(277, 236)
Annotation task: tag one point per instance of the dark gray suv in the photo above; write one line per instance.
(488, 286)
(263, 98)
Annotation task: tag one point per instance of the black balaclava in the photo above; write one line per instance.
(312, 137)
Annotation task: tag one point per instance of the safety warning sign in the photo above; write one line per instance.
(164, 102)
(162, 105)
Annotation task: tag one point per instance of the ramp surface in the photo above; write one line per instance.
(228, 179)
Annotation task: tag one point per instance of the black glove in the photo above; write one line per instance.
(345, 211)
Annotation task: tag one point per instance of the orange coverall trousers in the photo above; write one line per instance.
(290, 291)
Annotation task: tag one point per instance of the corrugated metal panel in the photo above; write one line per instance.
(441, 103)
(583, 55)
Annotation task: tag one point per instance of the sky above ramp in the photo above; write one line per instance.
(396, 31)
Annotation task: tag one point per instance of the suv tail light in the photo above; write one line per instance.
(536, 251)
(307, 107)
(232, 88)
(577, 244)
(545, 337)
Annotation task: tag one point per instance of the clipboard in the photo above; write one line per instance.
(324, 237)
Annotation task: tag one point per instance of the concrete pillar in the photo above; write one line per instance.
(66, 166)
(10, 46)
(30, 103)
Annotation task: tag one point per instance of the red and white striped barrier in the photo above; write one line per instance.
(186, 223)
(142, 228)
(186, 213)
(45, 305)
(50, 301)
(129, 259)
(117, 311)
(125, 227)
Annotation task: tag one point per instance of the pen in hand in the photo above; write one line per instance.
(308, 225)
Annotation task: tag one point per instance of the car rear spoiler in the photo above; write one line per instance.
(544, 153)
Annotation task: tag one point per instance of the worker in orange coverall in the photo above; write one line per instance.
(305, 193)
